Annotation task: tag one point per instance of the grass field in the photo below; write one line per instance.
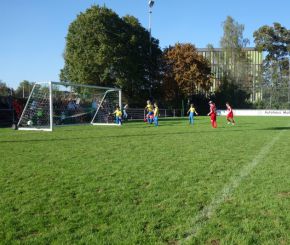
(136, 184)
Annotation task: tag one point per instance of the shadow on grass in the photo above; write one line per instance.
(276, 128)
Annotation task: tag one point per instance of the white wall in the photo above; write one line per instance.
(256, 113)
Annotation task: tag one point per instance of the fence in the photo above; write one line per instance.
(274, 98)
(140, 114)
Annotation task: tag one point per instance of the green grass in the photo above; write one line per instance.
(143, 185)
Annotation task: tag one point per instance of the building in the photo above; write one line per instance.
(217, 59)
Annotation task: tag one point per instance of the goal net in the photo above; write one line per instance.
(53, 104)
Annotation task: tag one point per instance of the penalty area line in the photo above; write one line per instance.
(206, 213)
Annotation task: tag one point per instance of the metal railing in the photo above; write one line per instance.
(140, 113)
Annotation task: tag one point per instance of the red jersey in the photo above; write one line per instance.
(230, 112)
(212, 110)
(212, 114)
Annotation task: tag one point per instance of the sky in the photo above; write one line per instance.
(32, 32)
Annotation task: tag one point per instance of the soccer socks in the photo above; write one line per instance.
(213, 124)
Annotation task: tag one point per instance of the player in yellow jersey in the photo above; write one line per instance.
(118, 115)
(191, 113)
(149, 109)
(156, 114)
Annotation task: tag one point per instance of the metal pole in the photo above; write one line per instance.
(150, 12)
(26, 105)
(150, 4)
(120, 99)
(50, 105)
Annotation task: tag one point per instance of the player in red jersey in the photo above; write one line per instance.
(212, 114)
(230, 114)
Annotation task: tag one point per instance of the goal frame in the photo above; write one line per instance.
(51, 124)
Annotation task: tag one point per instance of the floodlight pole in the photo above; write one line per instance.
(150, 4)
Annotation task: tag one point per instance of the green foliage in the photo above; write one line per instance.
(4, 89)
(24, 88)
(233, 39)
(143, 185)
(275, 42)
(104, 49)
(230, 92)
(234, 80)
(235, 63)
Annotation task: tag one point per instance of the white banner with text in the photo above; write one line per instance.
(274, 113)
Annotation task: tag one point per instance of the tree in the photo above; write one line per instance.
(275, 41)
(4, 90)
(235, 60)
(141, 67)
(233, 39)
(24, 88)
(229, 91)
(185, 72)
(104, 49)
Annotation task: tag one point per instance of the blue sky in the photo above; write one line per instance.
(32, 32)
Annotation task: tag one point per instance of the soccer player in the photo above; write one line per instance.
(212, 114)
(191, 113)
(156, 114)
(125, 114)
(230, 114)
(118, 115)
(149, 109)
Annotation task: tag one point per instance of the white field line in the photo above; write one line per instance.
(206, 213)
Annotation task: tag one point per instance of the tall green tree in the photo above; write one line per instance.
(104, 49)
(275, 42)
(186, 72)
(235, 61)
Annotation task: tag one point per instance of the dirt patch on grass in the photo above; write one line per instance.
(284, 194)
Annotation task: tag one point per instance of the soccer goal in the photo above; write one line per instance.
(53, 104)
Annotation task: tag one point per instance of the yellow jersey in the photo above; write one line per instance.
(156, 111)
(149, 108)
(192, 109)
(118, 113)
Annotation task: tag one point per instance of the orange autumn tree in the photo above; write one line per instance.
(185, 72)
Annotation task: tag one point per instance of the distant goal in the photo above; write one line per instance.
(53, 104)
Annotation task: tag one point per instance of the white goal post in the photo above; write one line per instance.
(53, 104)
